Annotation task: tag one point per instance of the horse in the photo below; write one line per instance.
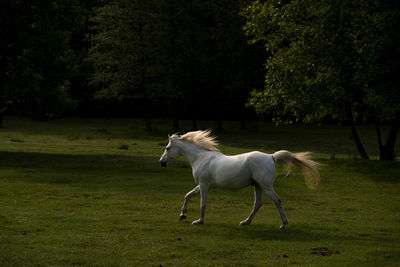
(211, 168)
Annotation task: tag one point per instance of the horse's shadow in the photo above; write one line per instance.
(265, 233)
(271, 232)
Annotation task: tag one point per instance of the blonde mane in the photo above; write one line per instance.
(200, 138)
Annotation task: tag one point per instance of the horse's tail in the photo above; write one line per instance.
(308, 167)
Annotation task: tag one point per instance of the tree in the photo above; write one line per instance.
(227, 49)
(379, 46)
(182, 37)
(124, 53)
(318, 62)
(36, 59)
(169, 39)
(173, 55)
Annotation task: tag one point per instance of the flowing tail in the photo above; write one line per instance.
(308, 167)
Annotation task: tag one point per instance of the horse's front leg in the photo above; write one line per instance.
(203, 193)
(191, 193)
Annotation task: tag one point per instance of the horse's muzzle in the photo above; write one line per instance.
(163, 163)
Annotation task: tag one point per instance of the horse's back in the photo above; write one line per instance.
(254, 160)
(241, 170)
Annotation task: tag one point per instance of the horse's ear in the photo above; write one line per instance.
(169, 137)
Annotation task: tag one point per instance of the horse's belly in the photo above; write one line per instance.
(233, 185)
(233, 178)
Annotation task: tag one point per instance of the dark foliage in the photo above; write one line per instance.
(330, 60)
(333, 61)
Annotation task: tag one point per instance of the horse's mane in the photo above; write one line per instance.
(203, 139)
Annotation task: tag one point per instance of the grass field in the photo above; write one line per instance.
(90, 192)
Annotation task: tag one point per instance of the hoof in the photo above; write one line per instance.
(183, 217)
(282, 227)
(197, 222)
(285, 222)
(245, 222)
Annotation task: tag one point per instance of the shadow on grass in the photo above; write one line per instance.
(111, 171)
(266, 233)
(375, 170)
(73, 161)
(301, 233)
(329, 139)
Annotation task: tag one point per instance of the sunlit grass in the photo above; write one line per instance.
(69, 195)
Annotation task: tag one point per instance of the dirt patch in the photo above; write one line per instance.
(324, 251)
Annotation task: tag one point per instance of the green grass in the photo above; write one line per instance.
(70, 196)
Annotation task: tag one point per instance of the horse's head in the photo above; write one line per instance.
(170, 152)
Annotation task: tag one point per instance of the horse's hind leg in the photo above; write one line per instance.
(257, 205)
(191, 193)
(275, 198)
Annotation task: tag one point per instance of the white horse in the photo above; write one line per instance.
(211, 168)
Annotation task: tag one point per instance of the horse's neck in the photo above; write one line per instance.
(192, 152)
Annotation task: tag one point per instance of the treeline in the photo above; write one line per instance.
(185, 59)
(290, 60)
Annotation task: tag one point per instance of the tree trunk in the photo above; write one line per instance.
(193, 100)
(147, 100)
(379, 136)
(148, 124)
(220, 92)
(148, 113)
(243, 125)
(244, 90)
(175, 123)
(194, 125)
(361, 150)
(387, 150)
(173, 36)
(219, 125)
(1, 119)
